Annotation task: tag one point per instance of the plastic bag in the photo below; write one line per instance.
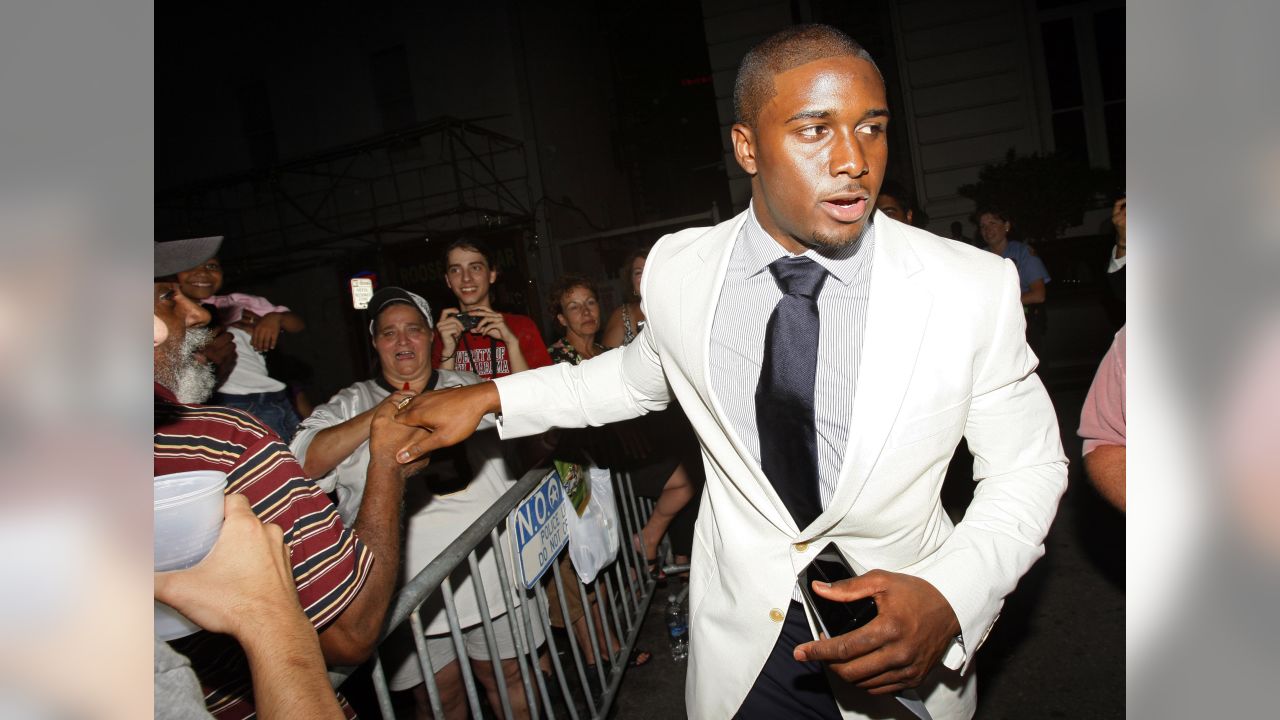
(594, 537)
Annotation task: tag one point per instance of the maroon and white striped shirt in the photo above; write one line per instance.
(330, 564)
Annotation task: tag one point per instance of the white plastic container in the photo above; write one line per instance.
(188, 519)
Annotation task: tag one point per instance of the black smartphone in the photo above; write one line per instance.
(833, 617)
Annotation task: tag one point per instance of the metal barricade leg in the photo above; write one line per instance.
(381, 691)
(573, 641)
(605, 607)
(587, 612)
(558, 668)
(490, 641)
(455, 630)
(425, 664)
(524, 645)
(631, 527)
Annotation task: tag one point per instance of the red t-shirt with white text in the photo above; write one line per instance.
(487, 357)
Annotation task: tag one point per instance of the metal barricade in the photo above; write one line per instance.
(613, 610)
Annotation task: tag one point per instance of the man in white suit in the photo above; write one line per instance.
(829, 361)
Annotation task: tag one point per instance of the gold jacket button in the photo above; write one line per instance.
(802, 546)
(776, 615)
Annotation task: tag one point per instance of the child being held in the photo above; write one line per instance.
(255, 325)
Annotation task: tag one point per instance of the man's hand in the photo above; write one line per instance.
(386, 436)
(221, 351)
(896, 650)
(493, 325)
(445, 417)
(448, 327)
(246, 576)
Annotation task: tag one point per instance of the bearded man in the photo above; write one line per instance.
(345, 576)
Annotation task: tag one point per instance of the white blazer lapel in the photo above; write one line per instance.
(699, 298)
(896, 318)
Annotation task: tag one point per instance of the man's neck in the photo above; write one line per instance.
(482, 302)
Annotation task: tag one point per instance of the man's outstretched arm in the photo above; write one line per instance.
(618, 385)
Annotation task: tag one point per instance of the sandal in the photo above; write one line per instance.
(651, 563)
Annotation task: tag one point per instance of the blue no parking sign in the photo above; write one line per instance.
(539, 526)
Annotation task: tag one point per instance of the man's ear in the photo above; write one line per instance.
(744, 147)
(910, 215)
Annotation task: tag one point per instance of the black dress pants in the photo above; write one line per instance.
(786, 688)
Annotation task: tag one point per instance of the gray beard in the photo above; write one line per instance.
(190, 380)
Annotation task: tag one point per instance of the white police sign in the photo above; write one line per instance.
(540, 526)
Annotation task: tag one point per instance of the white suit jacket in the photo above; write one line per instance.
(944, 355)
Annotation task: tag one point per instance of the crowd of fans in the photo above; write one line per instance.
(340, 557)
(320, 571)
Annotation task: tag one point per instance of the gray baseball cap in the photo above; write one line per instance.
(393, 296)
(175, 256)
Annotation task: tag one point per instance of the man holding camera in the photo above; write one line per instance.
(473, 337)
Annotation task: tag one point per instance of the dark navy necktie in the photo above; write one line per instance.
(784, 395)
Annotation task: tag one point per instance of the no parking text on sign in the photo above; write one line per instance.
(540, 527)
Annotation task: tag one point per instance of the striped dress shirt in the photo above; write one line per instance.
(737, 339)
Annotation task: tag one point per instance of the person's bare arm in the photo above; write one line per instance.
(1035, 294)
(448, 328)
(1105, 466)
(291, 322)
(265, 329)
(244, 588)
(334, 444)
(351, 638)
(515, 355)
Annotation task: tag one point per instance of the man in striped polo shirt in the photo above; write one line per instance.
(344, 578)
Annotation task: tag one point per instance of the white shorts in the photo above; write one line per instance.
(400, 657)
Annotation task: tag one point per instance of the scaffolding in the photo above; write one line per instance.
(441, 176)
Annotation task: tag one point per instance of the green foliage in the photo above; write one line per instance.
(1043, 194)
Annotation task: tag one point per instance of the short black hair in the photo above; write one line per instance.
(995, 210)
(475, 244)
(563, 285)
(783, 51)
